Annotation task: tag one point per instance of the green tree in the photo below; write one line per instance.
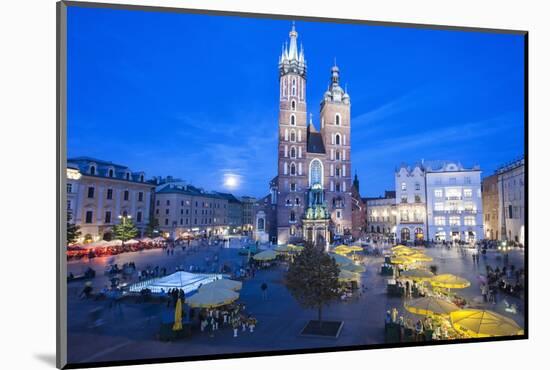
(125, 230)
(151, 230)
(73, 230)
(313, 279)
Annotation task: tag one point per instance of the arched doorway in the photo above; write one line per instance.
(405, 234)
(418, 233)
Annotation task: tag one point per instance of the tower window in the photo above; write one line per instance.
(293, 105)
(337, 139)
(293, 169)
(292, 135)
(293, 119)
(293, 152)
(292, 216)
(294, 87)
(337, 119)
(337, 155)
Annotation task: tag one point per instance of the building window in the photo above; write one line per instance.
(109, 193)
(439, 206)
(468, 193)
(467, 180)
(439, 221)
(91, 191)
(108, 217)
(293, 105)
(510, 212)
(452, 180)
(454, 221)
(89, 217)
(337, 171)
(292, 169)
(293, 136)
(126, 194)
(417, 186)
(292, 216)
(69, 188)
(403, 199)
(337, 187)
(337, 155)
(438, 193)
(337, 139)
(157, 211)
(292, 186)
(165, 222)
(338, 214)
(337, 119)
(167, 211)
(403, 186)
(469, 221)
(141, 178)
(140, 196)
(297, 201)
(111, 172)
(293, 152)
(261, 224)
(417, 198)
(127, 175)
(293, 120)
(92, 170)
(404, 216)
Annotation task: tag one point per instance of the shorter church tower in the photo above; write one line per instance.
(336, 133)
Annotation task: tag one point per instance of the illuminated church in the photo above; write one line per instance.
(311, 196)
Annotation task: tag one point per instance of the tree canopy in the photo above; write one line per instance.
(312, 279)
(125, 230)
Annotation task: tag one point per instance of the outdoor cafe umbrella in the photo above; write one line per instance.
(430, 305)
(208, 298)
(267, 255)
(177, 316)
(484, 323)
(342, 250)
(417, 274)
(341, 260)
(223, 284)
(398, 247)
(283, 248)
(346, 275)
(400, 260)
(420, 257)
(449, 281)
(355, 248)
(403, 252)
(353, 268)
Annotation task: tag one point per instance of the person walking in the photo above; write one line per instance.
(263, 287)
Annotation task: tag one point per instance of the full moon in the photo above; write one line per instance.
(231, 181)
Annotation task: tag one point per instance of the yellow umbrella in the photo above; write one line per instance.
(355, 248)
(296, 248)
(283, 248)
(401, 260)
(449, 281)
(177, 317)
(223, 284)
(353, 268)
(397, 247)
(346, 275)
(342, 249)
(483, 323)
(403, 252)
(420, 257)
(418, 274)
(265, 255)
(430, 305)
(215, 297)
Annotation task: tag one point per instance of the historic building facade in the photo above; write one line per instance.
(100, 192)
(181, 209)
(490, 200)
(511, 187)
(313, 182)
(439, 201)
(381, 215)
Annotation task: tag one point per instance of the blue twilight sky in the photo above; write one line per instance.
(196, 96)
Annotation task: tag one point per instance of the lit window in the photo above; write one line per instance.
(403, 186)
(454, 221)
(439, 221)
(469, 221)
(439, 206)
(468, 193)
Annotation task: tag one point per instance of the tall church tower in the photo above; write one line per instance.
(336, 133)
(292, 171)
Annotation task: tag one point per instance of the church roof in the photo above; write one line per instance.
(314, 140)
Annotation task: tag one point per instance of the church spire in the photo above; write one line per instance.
(292, 59)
